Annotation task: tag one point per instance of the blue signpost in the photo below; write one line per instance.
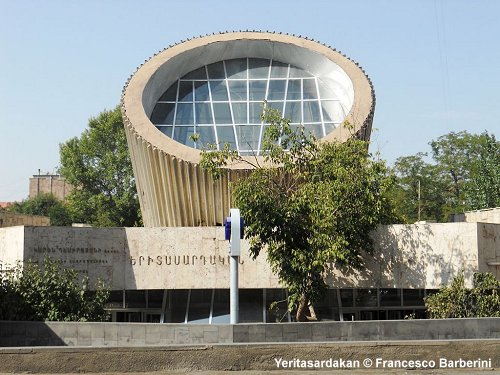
(233, 231)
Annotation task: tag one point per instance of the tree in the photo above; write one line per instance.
(483, 189)
(308, 204)
(50, 292)
(420, 189)
(44, 205)
(457, 301)
(455, 154)
(464, 175)
(98, 165)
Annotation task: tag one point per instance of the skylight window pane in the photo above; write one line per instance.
(311, 111)
(276, 105)
(207, 136)
(226, 135)
(163, 113)
(276, 90)
(258, 68)
(325, 92)
(279, 70)
(309, 89)
(216, 71)
(219, 90)
(238, 90)
(170, 95)
(167, 130)
(257, 90)
(298, 73)
(293, 112)
(329, 127)
(240, 113)
(199, 73)
(182, 134)
(255, 112)
(294, 89)
(222, 113)
(201, 91)
(332, 111)
(186, 91)
(236, 68)
(248, 137)
(203, 113)
(184, 114)
(316, 129)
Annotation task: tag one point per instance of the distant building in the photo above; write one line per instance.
(49, 184)
(488, 215)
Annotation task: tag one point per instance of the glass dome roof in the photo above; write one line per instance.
(222, 102)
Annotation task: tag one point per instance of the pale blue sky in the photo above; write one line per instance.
(434, 64)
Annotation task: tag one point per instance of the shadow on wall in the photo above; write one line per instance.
(99, 253)
(14, 334)
(423, 256)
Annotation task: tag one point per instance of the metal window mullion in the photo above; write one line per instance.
(231, 106)
(186, 316)
(175, 109)
(194, 112)
(265, 98)
(212, 108)
(264, 300)
(320, 107)
(211, 307)
(286, 90)
(302, 101)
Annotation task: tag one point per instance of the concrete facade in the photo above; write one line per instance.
(420, 256)
(489, 215)
(137, 334)
(173, 190)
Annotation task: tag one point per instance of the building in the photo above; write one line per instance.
(49, 184)
(181, 274)
(176, 269)
(214, 86)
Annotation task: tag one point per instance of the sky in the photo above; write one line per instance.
(433, 63)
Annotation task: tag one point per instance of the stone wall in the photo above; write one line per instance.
(11, 219)
(422, 256)
(488, 215)
(147, 334)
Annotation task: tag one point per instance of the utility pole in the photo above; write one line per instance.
(418, 200)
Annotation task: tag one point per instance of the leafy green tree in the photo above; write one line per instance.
(463, 175)
(308, 204)
(98, 165)
(44, 205)
(455, 154)
(457, 301)
(50, 292)
(483, 189)
(420, 189)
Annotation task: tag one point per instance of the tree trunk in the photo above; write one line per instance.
(304, 308)
(300, 316)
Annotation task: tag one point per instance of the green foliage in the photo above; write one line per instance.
(457, 301)
(483, 190)
(98, 165)
(44, 205)
(50, 292)
(464, 175)
(309, 204)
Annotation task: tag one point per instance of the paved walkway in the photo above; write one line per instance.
(339, 372)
